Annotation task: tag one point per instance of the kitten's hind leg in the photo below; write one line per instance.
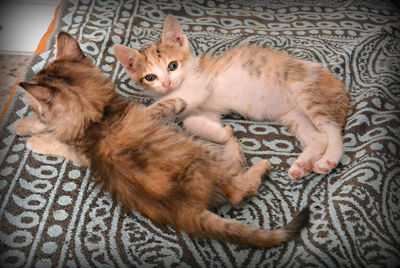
(207, 126)
(247, 184)
(241, 183)
(232, 152)
(326, 103)
(314, 143)
(333, 152)
(46, 143)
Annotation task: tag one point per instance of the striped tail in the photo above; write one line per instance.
(213, 226)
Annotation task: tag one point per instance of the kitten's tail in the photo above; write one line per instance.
(213, 226)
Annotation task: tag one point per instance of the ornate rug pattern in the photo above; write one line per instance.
(52, 213)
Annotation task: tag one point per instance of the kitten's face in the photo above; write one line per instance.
(161, 68)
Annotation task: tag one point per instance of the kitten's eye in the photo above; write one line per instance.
(150, 77)
(173, 66)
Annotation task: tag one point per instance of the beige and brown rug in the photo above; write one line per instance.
(52, 212)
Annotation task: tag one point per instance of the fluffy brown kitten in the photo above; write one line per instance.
(141, 162)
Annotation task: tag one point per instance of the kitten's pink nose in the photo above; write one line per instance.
(167, 84)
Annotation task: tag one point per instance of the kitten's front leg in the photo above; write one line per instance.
(208, 127)
(46, 143)
(166, 108)
(29, 126)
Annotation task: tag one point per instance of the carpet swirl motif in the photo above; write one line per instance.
(52, 213)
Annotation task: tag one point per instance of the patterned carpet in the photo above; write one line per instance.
(52, 213)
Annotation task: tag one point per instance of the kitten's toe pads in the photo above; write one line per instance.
(324, 166)
(300, 169)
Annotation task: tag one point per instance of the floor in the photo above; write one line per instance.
(30, 19)
(11, 67)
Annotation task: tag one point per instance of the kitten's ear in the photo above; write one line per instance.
(43, 95)
(172, 32)
(68, 48)
(127, 56)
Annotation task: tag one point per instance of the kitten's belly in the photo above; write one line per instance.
(253, 99)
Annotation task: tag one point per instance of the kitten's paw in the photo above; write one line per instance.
(229, 130)
(47, 144)
(223, 136)
(254, 175)
(180, 106)
(226, 135)
(266, 165)
(300, 169)
(22, 129)
(260, 168)
(324, 166)
(28, 126)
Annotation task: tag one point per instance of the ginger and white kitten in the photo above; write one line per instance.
(255, 82)
(144, 164)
